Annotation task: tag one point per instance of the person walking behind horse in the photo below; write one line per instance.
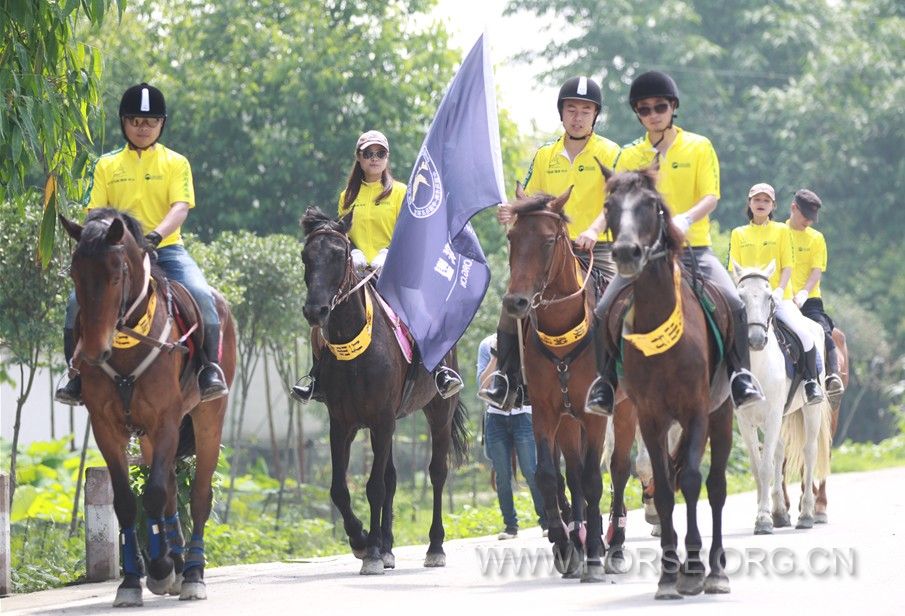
(505, 433)
(569, 161)
(809, 247)
(153, 184)
(689, 180)
(373, 198)
(758, 243)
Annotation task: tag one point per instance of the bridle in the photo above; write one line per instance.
(347, 286)
(658, 249)
(766, 325)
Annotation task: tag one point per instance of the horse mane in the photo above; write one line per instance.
(645, 180)
(535, 203)
(315, 219)
(93, 240)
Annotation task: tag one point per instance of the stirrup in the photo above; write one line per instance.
(598, 409)
(483, 393)
(758, 390)
(454, 382)
(303, 390)
(64, 395)
(833, 386)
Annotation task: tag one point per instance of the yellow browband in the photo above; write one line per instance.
(358, 345)
(573, 335)
(143, 327)
(668, 333)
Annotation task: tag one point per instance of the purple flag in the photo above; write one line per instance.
(435, 274)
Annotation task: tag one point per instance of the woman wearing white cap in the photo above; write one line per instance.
(758, 243)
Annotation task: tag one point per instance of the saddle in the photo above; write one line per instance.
(186, 314)
(793, 353)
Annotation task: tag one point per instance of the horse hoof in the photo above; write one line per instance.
(360, 553)
(176, 586)
(161, 587)
(435, 560)
(193, 591)
(128, 597)
(655, 530)
(593, 573)
(371, 566)
(805, 521)
(389, 561)
(614, 563)
(650, 515)
(763, 527)
(567, 561)
(781, 520)
(667, 591)
(690, 583)
(716, 584)
(820, 518)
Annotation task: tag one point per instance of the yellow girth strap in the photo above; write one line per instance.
(143, 327)
(668, 333)
(358, 345)
(570, 337)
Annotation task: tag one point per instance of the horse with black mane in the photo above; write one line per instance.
(138, 379)
(667, 373)
(368, 382)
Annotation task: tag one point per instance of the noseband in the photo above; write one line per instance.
(764, 326)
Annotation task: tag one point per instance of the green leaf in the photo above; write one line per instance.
(48, 226)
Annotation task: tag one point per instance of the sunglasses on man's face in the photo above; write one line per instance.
(646, 111)
(135, 122)
(369, 154)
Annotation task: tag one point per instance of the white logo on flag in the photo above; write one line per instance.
(426, 193)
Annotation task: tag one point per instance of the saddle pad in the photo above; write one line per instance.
(792, 350)
(400, 330)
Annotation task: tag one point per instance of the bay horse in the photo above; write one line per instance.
(820, 515)
(126, 328)
(670, 379)
(546, 289)
(371, 386)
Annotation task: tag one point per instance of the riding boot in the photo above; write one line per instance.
(306, 389)
(504, 383)
(813, 393)
(602, 393)
(743, 385)
(211, 380)
(448, 381)
(833, 383)
(71, 392)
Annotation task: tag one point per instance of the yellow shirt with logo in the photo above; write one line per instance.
(552, 172)
(756, 245)
(145, 187)
(688, 172)
(809, 248)
(372, 221)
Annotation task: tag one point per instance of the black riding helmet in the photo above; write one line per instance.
(653, 84)
(142, 100)
(582, 89)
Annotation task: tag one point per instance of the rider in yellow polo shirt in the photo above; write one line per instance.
(810, 263)
(689, 179)
(568, 161)
(757, 244)
(153, 184)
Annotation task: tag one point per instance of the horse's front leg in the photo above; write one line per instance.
(382, 445)
(112, 444)
(717, 581)
(386, 519)
(573, 449)
(763, 525)
(691, 577)
(340, 444)
(547, 477)
(161, 569)
(624, 421)
(592, 485)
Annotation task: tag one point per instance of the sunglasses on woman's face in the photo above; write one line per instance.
(369, 154)
(646, 111)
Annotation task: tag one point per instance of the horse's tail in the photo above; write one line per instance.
(824, 442)
(459, 451)
(186, 445)
(793, 436)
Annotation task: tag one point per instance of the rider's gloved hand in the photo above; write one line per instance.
(800, 298)
(379, 259)
(153, 239)
(683, 222)
(778, 294)
(359, 262)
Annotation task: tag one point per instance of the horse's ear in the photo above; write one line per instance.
(770, 268)
(606, 171)
(519, 191)
(736, 271)
(346, 222)
(559, 202)
(649, 175)
(73, 228)
(115, 231)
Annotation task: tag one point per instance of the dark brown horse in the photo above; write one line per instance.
(669, 381)
(145, 386)
(371, 386)
(547, 288)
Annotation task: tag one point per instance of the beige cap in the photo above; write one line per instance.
(763, 187)
(372, 137)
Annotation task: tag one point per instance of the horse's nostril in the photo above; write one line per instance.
(322, 312)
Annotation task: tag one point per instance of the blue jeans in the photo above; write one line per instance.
(178, 265)
(502, 435)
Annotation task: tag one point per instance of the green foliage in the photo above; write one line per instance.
(853, 457)
(43, 555)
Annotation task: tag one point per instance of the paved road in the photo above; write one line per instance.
(849, 566)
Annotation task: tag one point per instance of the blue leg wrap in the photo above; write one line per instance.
(157, 540)
(195, 553)
(128, 542)
(173, 536)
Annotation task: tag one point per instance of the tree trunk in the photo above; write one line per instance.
(249, 362)
(24, 391)
(73, 523)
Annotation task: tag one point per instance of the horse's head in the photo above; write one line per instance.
(536, 241)
(108, 269)
(328, 262)
(639, 220)
(754, 288)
